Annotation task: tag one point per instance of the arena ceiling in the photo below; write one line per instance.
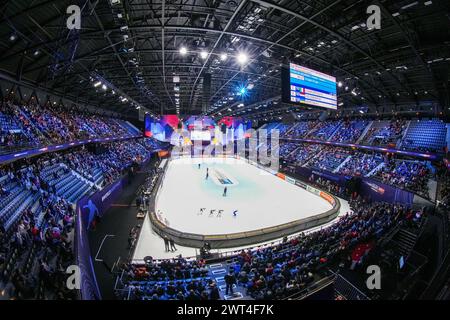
(133, 47)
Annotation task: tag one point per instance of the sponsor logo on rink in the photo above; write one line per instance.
(290, 180)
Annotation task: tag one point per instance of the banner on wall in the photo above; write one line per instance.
(88, 283)
(87, 209)
(378, 191)
(97, 204)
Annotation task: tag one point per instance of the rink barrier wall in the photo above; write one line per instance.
(218, 241)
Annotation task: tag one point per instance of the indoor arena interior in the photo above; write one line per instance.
(197, 155)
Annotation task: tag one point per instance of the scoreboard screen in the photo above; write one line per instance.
(200, 135)
(301, 85)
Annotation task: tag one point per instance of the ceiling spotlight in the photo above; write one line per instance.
(183, 51)
(104, 87)
(36, 53)
(242, 91)
(203, 54)
(242, 58)
(98, 83)
(223, 56)
(340, 84)
(13, 37)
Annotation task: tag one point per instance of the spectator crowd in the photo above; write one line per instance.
(37, 220)
(273, 272)
(31, 125)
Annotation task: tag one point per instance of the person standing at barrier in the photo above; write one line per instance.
(230, 280)
(214, 293)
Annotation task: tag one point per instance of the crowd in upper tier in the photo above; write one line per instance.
(37, 197)
(361, 164)
(414, 135)
(273, 272)
(32, 125)
(383, 133)
(413, 175)
(330, 158)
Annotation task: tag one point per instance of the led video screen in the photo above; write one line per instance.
(200, 135)
(301, 85)
(148, 126)
(161, 129)
(200, 123)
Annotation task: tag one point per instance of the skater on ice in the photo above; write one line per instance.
(172, 245)
(166, 243)
(225, 192)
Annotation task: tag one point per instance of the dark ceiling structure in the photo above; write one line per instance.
(193, 56)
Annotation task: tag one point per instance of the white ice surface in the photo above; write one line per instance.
(262, 200)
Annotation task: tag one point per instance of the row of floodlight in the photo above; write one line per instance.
(242, 57)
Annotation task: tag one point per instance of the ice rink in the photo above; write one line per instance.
(261, 199)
